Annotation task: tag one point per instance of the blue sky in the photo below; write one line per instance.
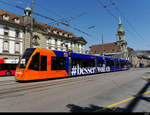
(135, 18)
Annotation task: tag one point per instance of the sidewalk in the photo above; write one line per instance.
(5, 78)
(146, 76)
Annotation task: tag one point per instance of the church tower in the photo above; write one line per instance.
(120, 32)
(121, 41)
(28, 21)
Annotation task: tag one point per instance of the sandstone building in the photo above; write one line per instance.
(20, 32)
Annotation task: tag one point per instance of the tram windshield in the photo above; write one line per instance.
(24, 60)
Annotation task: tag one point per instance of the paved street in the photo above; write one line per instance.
(109, 92)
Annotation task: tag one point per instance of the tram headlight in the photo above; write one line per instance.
(19, 73)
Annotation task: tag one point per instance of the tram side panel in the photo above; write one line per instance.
(123, 64)
(101, 65)
(82, 64)
(60, 63)
(110, 63)
(117, 64)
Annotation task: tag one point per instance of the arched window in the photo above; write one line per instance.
(35, 40)
(6, 46)
(17, 47)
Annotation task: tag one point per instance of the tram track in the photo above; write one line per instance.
(15, 87)
(8, 82)
(27, 86)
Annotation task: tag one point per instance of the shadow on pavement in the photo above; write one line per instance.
(139, 96)
(92, 108)
(129, 108)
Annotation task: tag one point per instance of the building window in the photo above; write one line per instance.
(119, 38)
(70, 36)
(60, 33)
(48, 40)
(17, 47)
(35, 40)
(56, 42)
(55, 32)
(6, 46)
(49, 30)
(6, 31)
(17, 33)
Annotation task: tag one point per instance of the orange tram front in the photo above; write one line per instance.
(38, 64)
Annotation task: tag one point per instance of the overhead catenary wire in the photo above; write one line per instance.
(107, 9)
(65, 21)
(62, 19)
(130, 24)
(47, 17)
(68, 19)
(116, 18)
(88, 37)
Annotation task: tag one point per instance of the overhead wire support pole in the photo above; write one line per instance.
(31, 33)
(102, 43)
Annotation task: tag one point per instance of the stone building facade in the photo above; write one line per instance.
(20, 32)
(11, 35)
(140, 58)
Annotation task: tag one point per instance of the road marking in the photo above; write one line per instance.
(146, 92)
(120, 102)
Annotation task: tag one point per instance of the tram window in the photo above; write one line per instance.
(8, 66)
(25, 57)
(2, 67)
(123, 64)
(117, 64)
(58, 63)
(101, 62)
(43, 63)
(34, 65)
(83, 63)
(110, 63)
(11, 66)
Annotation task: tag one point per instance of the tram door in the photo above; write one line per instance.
(38, 66)
(43, 63)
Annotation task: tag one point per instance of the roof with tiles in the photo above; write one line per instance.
(108, 48)
(11, 16)
(55, 29)
(45, 26)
